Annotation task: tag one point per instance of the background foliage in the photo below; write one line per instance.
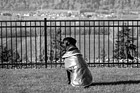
(68, 4)
(124, 46)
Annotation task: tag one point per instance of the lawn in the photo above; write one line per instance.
(105, 80)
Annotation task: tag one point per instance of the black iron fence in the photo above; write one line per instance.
(36, 43)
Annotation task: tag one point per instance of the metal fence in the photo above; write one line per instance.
(36, 43)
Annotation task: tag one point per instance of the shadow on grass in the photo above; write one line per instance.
(114, 83)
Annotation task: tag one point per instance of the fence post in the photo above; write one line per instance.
(45, 41)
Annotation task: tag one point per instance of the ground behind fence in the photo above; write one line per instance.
(36, 43)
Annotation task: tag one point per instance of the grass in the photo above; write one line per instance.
(105, 80)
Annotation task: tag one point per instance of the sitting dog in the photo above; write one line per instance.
(78, 73)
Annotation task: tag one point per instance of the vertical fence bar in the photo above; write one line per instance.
(123, 38)
(51, 51)
(108, 43)
(65, 29)
(127, 26)
(12, 64)
(113, 44)
(94, 45)
(1, 45)
(132, 51)
(6, 41)
(59, 43)
(89, 42)
(137, 45)
(31, 44)
(75, 29)
(70, 27)
(45, 41)
(55, 35)
(40, 42)
(21, 41)
(16, 52)
(103, 51)
(26, 44)
(99, 43)
(35, 46)
(127, 39)
(118, 44)
(79, 35)
(84, 41)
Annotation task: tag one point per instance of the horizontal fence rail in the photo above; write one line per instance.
(37, 43)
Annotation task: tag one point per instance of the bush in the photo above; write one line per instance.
(124, 47)
(8, 55)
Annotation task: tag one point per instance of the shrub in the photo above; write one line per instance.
(56, 49)
(124, 44)
(8, 55)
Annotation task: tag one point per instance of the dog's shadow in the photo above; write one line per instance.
(114, 83)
